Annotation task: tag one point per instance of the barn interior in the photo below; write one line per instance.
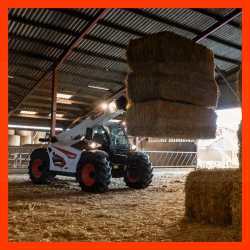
(64, 66)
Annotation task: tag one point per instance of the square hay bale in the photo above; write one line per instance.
(236, 204)
(143, 87)
(166, 52)
(170, 120)
(213, 196)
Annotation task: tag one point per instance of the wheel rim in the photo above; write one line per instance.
(134, 173)
(37, 168)
(88, 175)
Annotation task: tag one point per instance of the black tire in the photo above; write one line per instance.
(93, 173)
(39, 168)
(143, 174)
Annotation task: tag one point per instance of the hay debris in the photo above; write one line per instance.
(170, 120)
(143, 87)
(212, 196)
(167, 52)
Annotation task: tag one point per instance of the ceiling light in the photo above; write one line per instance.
(31, 127)
(28, 112)
(64, 101)
(58, 95)
(96, 87)
(57, 115)
(104, 105)
(123, 123)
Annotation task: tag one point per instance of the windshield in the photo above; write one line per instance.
(119, 139)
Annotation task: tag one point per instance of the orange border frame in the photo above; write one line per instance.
(4, 124)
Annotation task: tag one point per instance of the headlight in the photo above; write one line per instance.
(133, 147)
(93, 145)
(112, 107)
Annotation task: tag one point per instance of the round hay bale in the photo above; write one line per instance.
(23, 132)
(11, 132)
(13, 140)
(170, 120)
(25, 140)
(41, 134)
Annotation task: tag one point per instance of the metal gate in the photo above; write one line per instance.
(19, 157)
(172, 159)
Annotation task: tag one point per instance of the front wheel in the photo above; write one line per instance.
(139, 174)
(39, 168)
(93, 174)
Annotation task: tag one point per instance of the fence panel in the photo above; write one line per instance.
(172, 158)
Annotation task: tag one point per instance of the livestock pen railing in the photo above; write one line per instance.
(19, 157)
(172, 159)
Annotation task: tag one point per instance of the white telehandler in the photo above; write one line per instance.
(93, 151)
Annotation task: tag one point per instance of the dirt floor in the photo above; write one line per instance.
(61, 212)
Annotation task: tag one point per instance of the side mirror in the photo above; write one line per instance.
(89, 134)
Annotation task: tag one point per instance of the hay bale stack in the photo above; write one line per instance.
(144, 87)
(166, 52)
(171, 75)
(171, 120)
(212, 197)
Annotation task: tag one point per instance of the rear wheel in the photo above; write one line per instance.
(39, 168)
(93, 174)
(139, 174)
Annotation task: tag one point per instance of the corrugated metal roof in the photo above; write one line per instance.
(104, 48)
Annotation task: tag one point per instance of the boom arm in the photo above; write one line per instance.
(114, 109)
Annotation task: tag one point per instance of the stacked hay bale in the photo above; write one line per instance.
(170, 88)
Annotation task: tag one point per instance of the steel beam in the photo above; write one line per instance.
(34, 104)
(218, 25)
(182, 27)
(46, 111)
(14, 85)
(59, 100)
(32, 55)
(53, 103)
(63, 55)
(43, 117)
(91, 54)
(213, 15)
(70, 93)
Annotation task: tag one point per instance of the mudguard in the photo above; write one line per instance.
(99, 154)
(38, 149)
